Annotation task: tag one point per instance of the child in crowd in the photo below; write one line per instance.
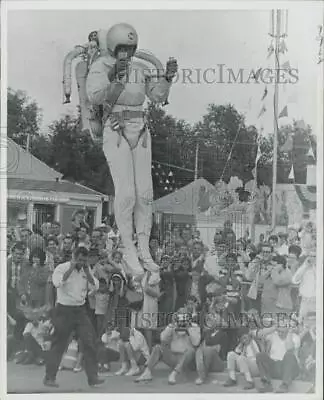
(243, 358)
(102, 300)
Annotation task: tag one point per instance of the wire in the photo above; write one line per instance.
(230, 153)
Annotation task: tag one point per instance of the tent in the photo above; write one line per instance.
(195, 204)
(186, 203)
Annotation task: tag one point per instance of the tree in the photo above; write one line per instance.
(227, 146)
(171, 144)
(24, 117)
(302, 139)
(77, 157)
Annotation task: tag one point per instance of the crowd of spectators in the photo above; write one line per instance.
(188, 317)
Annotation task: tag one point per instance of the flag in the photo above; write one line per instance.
(270, 50)
(263, 110)
(284, 112)
(264, 94)
(288, 145)
(291, 173)
(286, 65)
(311, 153)
(282, 47)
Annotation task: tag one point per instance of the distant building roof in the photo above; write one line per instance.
(26, 173)
(22, 164)
(52, 186)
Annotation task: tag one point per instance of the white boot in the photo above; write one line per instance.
(146, 376)
(134, 369)
(122, 370)
(173, 378)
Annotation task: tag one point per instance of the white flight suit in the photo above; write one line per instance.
(129, 160)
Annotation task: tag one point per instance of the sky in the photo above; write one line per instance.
(38, 41)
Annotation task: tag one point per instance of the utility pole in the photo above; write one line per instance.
(196, 160)
(275, 121)
(28, 142)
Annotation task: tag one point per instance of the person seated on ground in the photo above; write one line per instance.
(305, 277)
(108, 348)
(33, 280)
(280, 362)
(213, 345)
(179, 341)
(243, 359)
(134, 352)
(36, 338)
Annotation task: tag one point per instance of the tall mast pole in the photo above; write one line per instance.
(275, 121)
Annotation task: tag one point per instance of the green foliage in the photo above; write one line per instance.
(24, 117)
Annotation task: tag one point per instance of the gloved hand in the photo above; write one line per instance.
(119, 70)
(171, 69)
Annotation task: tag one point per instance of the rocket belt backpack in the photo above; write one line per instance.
(93, 118)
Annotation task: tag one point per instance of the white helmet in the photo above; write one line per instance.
(121, 35)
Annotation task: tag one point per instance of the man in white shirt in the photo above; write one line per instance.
(73, 279)
(280, 362)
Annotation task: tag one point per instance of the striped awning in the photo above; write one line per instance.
(307, 196)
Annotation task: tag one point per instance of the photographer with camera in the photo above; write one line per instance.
(179, 341)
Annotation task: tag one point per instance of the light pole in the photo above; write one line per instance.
(278, 35)
(196, 160)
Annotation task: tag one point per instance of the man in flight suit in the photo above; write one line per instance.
(120, 84)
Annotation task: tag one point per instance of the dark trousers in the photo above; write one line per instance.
(32, 346)
(287, 370)
(67, 319)
(106, 355)
(100, 324)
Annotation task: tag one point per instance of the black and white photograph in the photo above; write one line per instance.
(161, 198)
